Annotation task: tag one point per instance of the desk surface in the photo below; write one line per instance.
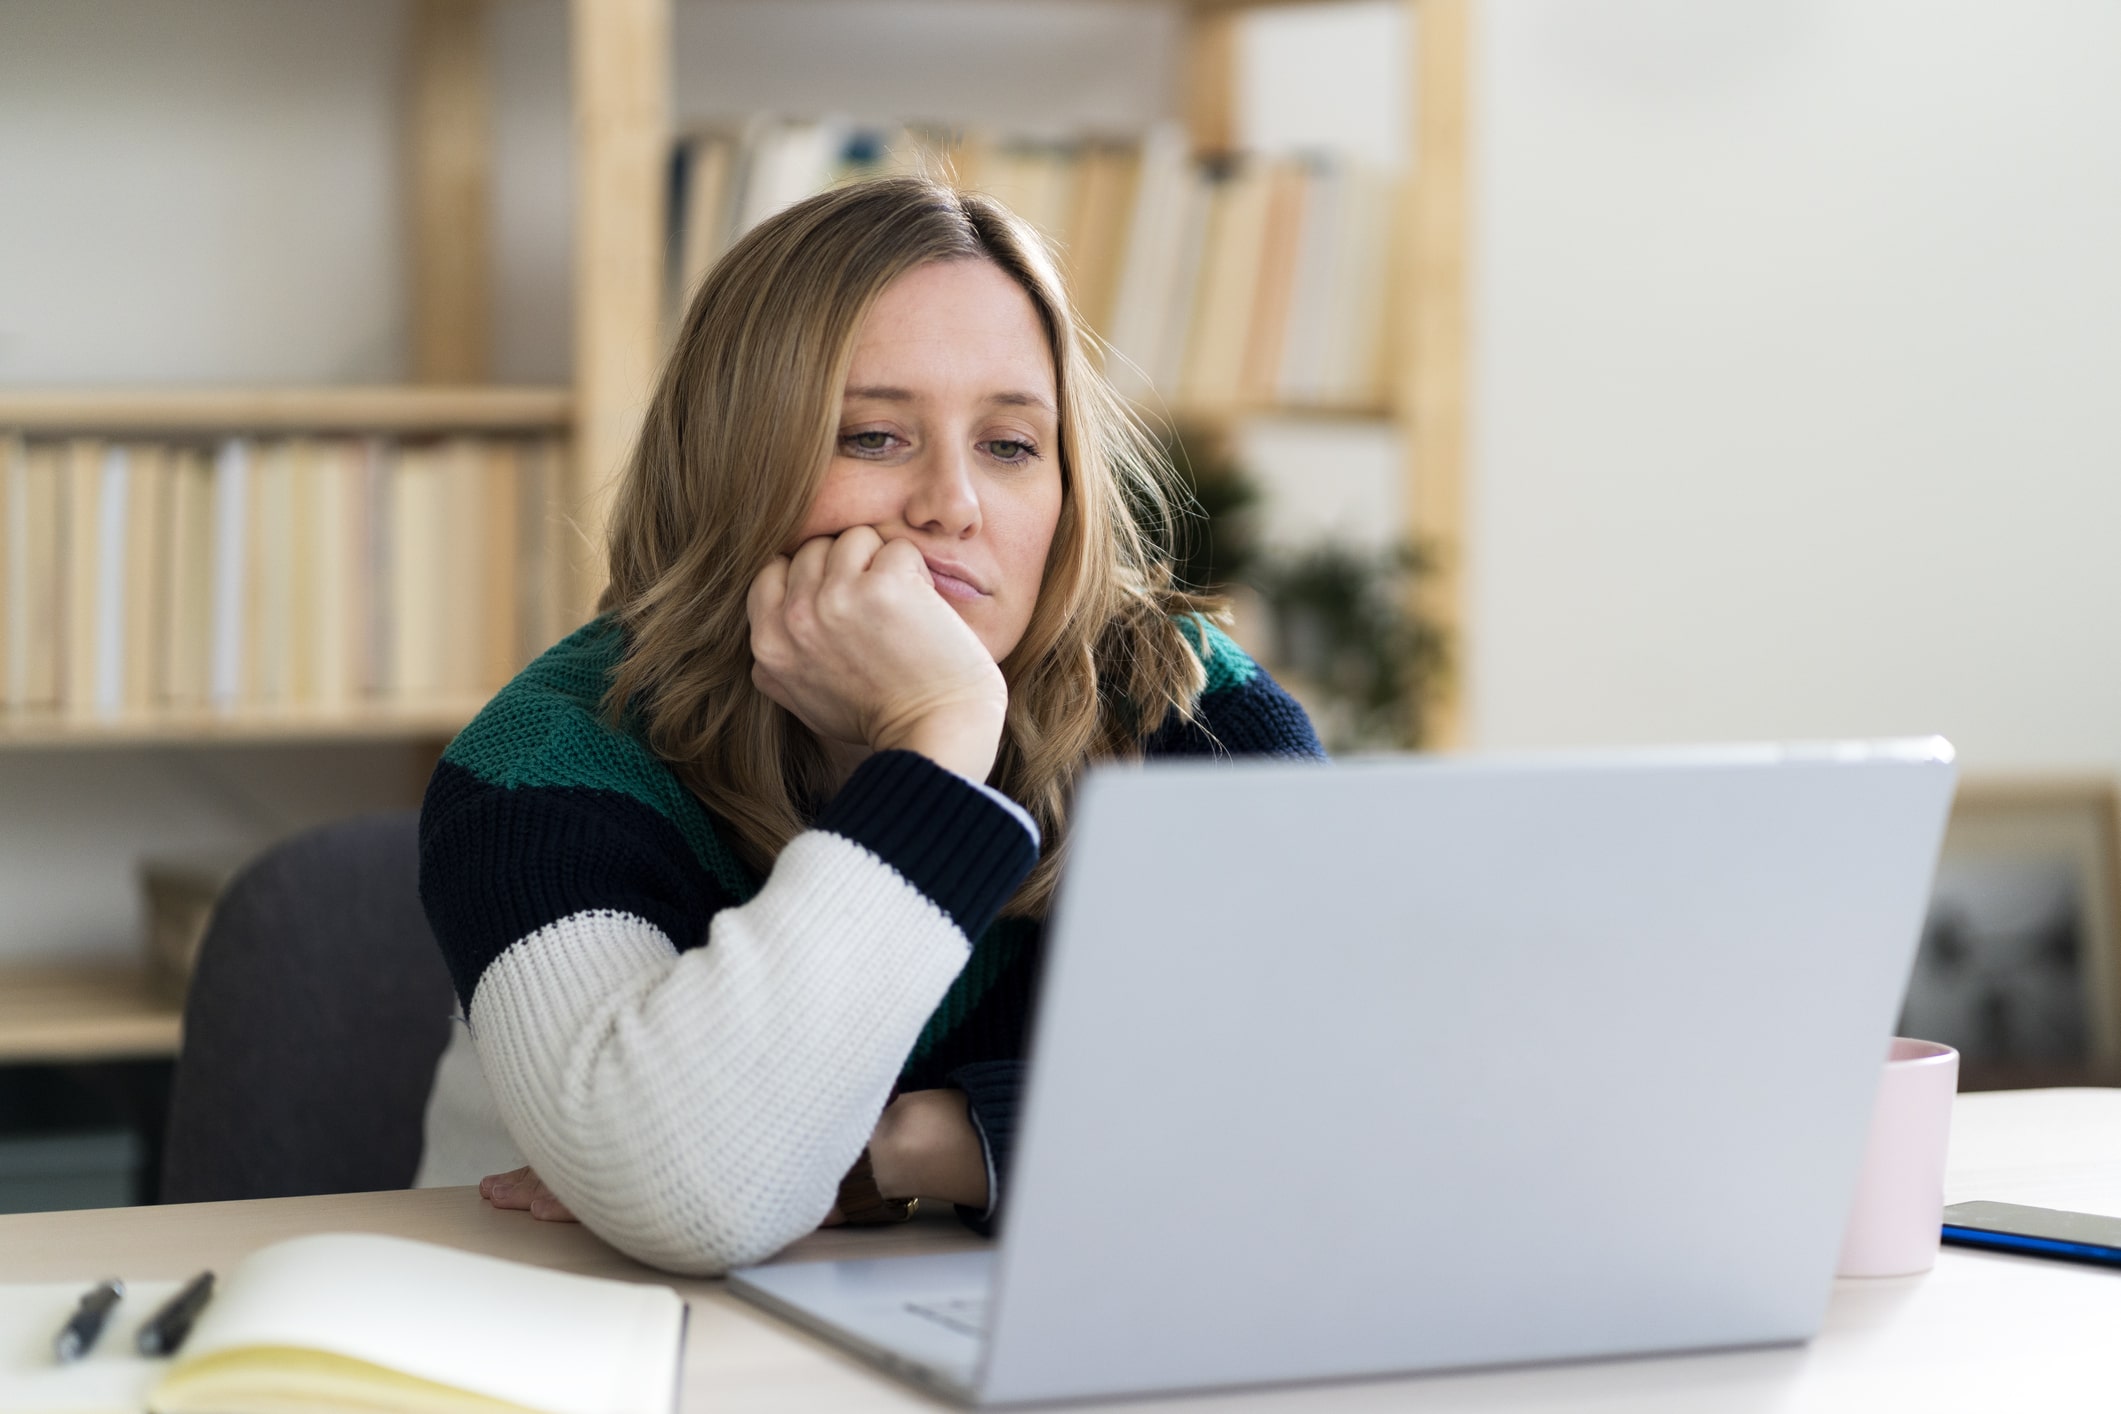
(1980, 1332)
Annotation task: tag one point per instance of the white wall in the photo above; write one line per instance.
(1795, 328)
(199, 191)
(1799, 329)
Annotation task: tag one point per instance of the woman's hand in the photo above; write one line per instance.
(925, 1146)
(522, 1188)
(850, 635)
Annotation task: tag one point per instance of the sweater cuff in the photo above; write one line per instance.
(941, 832)
(1016, 812)
(993, 1091)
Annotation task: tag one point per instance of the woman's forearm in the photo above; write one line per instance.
(698, 1111)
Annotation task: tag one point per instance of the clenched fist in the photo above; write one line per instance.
(852, 636)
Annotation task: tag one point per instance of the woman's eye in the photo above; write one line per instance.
(871, 442)
(1008, 449)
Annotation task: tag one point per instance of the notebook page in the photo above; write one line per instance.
(542, 1339)
(111, 1379)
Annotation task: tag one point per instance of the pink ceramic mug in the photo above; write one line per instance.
(1899, 1208)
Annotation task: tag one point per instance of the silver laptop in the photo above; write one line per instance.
(1405, 1065)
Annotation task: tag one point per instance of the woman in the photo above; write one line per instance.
(745, 939)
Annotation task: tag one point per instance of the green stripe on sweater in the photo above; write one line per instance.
(1228, 665)
(545, 729)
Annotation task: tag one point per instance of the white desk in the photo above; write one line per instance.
(1981, 1332)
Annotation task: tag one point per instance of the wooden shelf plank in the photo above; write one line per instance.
(83, 1011)
(348, 409)
(381, 721)
(1434, 330)
(1239, 6)
(1319, 412)
(448, 179)
(621, 70)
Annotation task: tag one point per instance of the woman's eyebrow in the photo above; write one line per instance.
(1022, 400)
(880, 393)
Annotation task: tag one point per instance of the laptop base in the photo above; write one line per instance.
(917, 1318)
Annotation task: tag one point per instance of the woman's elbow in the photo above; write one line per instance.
(697, 1229)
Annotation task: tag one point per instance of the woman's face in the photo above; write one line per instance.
(949, 439)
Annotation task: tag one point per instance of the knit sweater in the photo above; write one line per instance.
(691, 1055)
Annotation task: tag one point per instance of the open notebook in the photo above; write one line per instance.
(356, 1321)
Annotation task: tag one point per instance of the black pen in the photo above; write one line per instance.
(82, 1328)
(166, 1329)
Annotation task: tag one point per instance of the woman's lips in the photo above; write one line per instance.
(951, 582)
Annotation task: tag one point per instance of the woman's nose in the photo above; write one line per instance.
(944, 497)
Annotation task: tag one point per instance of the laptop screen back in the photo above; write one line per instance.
(1399, 1065)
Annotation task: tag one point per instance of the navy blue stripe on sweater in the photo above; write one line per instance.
(1255, 717)
(498, 863)
(948, 838)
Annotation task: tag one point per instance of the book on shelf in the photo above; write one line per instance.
(1231, 250)
(30, 497)
(1218, 284)
(304, 572)
(1281, 224)
(186, 618)
(726, 179)
(80, 582)
(1094, 248)
(360, 1321)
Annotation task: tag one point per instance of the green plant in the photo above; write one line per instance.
(1346, 622)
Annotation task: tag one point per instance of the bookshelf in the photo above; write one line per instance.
(620, 59)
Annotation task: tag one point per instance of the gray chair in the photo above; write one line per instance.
(317, 1012)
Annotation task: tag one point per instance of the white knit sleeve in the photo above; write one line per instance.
(698, 1110)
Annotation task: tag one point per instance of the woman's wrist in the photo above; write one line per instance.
(964, 741)
(925, 1146)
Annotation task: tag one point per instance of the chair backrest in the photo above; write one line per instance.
(317, 1012)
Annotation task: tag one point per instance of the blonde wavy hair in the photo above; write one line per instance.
(732, 452)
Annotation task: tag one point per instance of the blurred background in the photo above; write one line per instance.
(1551, 372)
